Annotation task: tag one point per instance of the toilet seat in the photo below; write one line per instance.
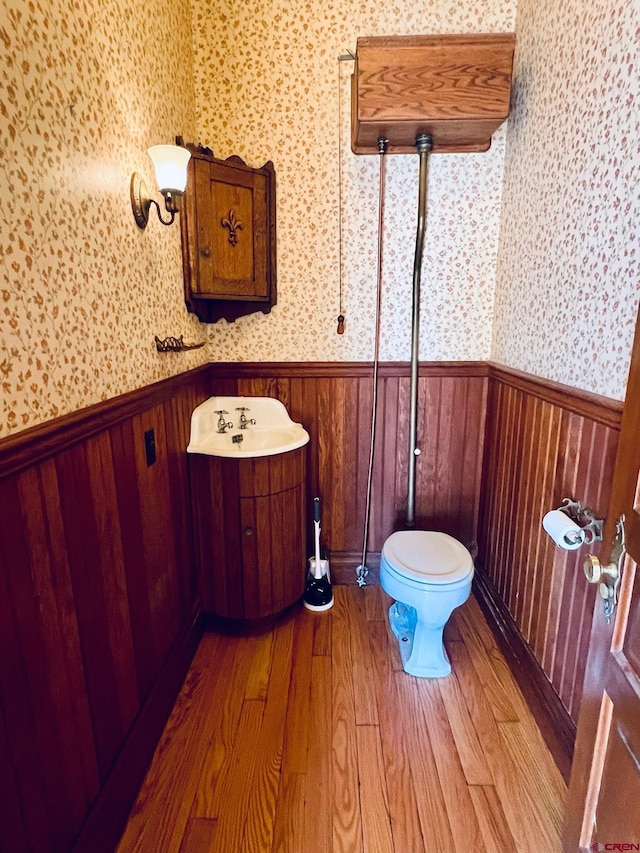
(427, 556)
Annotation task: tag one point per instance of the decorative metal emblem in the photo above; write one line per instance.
(233, 225)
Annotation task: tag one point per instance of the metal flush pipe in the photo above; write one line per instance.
(424, 144)
(362, 571)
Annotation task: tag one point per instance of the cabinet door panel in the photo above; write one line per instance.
(273, 556)
(234, 265)
(250, 546)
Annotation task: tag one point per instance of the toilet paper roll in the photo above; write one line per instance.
(563, 530)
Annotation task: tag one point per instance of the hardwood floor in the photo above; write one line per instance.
(310, 737)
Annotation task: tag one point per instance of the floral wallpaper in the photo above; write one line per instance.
(269, 86)
(541, 276)
(568, 275)
(85, 89)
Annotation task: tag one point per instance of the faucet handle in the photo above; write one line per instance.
(222, 424)
(244, 420)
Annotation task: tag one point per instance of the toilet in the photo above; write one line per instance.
(428, 574)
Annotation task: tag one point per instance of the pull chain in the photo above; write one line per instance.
(348, 57)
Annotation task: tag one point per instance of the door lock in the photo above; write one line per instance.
(608, 577)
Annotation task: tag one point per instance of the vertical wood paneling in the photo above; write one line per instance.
(133, 549)
(154, 488)
(350, 460)
(39, 498)
(461, 400)
(90, 576)
(334, 405)
(14, 836)
(571, 441)
(386, 476)
(523, 507)
(544, 546)
(541, 490)
(442, 447)
(21, 674)
(427, 441)
(177, 411)
(111, 576)
(331, 456)
(540, 451)
(304, 409)
(509, 489)
(476, 420)
(90, 604)
(401, 461)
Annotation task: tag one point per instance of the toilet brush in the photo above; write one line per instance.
(318, 595)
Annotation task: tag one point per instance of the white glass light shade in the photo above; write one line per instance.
(170, 164)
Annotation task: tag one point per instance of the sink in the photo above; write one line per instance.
(273, 432)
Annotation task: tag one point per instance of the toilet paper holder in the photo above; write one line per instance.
(585, 518)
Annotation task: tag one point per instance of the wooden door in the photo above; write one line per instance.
(603, 811)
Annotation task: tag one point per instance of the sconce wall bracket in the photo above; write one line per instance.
(141, 202)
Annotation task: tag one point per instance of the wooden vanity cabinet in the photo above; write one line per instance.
(228, 229)
(250, 534)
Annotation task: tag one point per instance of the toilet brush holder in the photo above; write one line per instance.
(318, 594)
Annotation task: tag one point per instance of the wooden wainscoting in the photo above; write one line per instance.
(333, 402)
(97, 611)
(544, 442)
(541, 442)
(98, 596)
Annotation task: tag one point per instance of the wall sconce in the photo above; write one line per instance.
(170, 164)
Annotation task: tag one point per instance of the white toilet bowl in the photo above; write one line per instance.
(429, 574)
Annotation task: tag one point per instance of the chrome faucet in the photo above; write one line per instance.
(223, 425)
(244, 420)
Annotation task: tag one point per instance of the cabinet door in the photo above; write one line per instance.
(273, 552)
(232, 221)
(228, 225)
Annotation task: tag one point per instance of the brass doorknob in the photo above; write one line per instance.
(595, 572)
(592, 569)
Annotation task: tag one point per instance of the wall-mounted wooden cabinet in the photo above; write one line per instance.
(228, 224)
